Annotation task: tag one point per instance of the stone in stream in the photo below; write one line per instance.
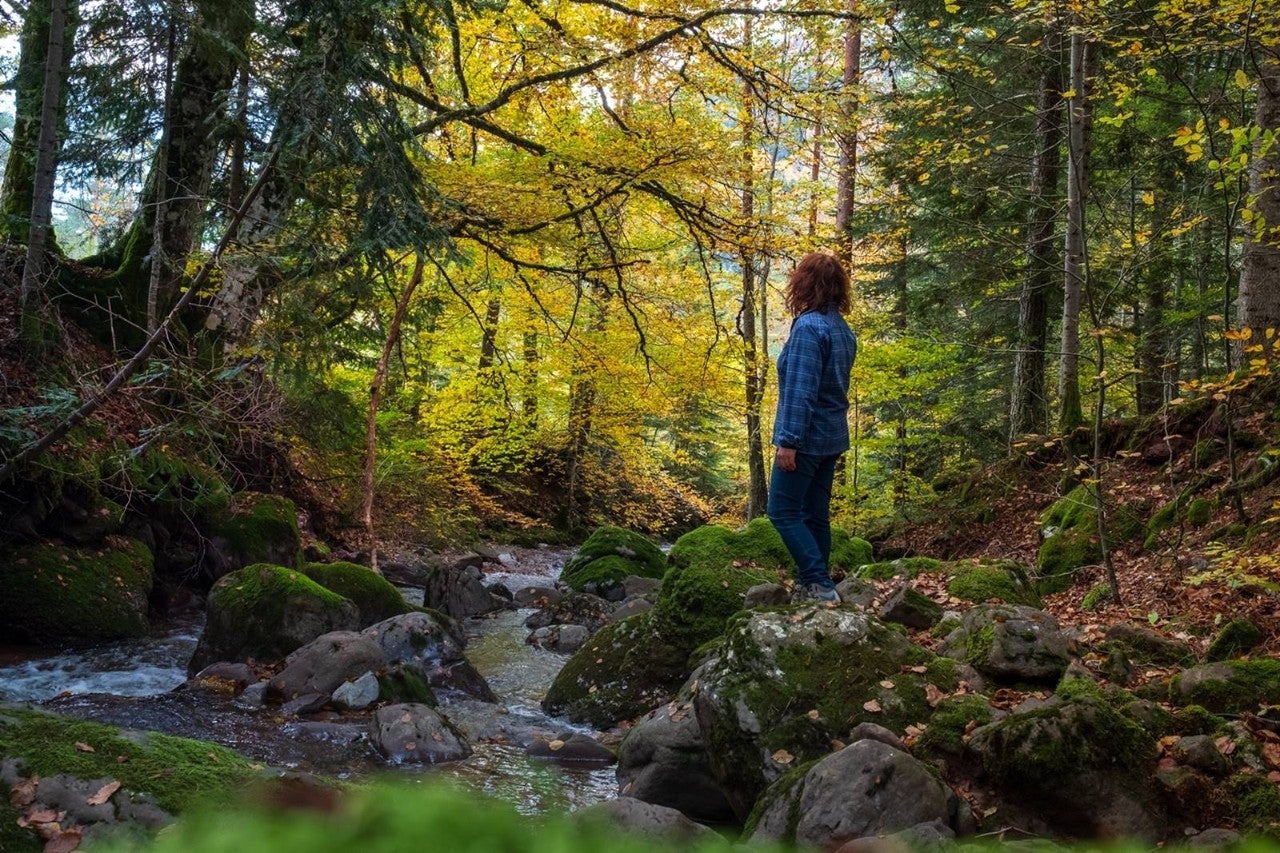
(428, 647)
(358, 694)
(325, 663)
(411, 733)
(576, 608)
(644, 819)
(571, 748)
(566, 639)
(458, 592)
(307, 703)
(630, 607)
(536, 596)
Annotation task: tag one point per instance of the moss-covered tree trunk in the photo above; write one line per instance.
(18, 190)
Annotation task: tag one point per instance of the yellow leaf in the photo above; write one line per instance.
(555, 745)
(783, 757)
(1069, 94)
(1242, 79)
(1148, 198)
(934, 23)
(952, 8)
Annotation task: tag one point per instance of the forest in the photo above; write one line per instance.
(552, 237)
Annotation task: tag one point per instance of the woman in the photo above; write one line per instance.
(811, 429)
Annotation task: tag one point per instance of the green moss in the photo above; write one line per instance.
(51, 592)
(947, 727)
(1237, 637)
(1256, 805)
(1077, 508)
(376, 598)
(259, 528)
(179, 773)
(848, 552)
(978, 646)
(984, 582)
(945, 627)
(907, 567)
(172, 487)
(716, 546)
(1251, 683)
(1199, 512)
(1205, 452)
(1195, 720)
(1061, 555)
(1097, 596)
(619, 553)
(405, 684)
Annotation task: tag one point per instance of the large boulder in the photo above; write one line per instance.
(644, 819)
(51, 592)
(1010, 642)
(325, 664)
(663, 761)
(866, 789)
(457, 591)
(1076, 767)
(1071, 541)
(254, 528)
(265, 612)
(608, 557)
(784, 685)
(371, 593)
(425, 650)
(1229, 687)
(412, 733)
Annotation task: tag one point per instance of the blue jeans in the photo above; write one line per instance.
(800, 509)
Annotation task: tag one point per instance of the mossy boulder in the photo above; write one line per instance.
(1078, 765)
(717, 546)
(52, 592)
(170, 486)
(1228, 687)
(1236, 638)
(369, 591)
(254, 528)
(848, 552)
(785, 683)
(903, 567)
(1011, 643)
(1072, 524)
(265, 612)
(609, 556)
(1061, 555)
(1004, 581)
(952, 719)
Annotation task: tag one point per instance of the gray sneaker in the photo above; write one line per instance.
(814, 592)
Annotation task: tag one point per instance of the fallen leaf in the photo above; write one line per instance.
(1271, 752)
(593, 688)
(920, 670)
(1274, 776)
(813, 715)
(406, 717)
(1225, 744)
(104, 794)
(969, 727)
(886, 684)
(783, 757)
(837, 745)
(65, 841)
(555, 745)
(84, 747)
(122, 759)
(933, 695)
(914, 730)
(411, 745)
(42, 816)
(873, 706)
(23, 793)
(1169, 740)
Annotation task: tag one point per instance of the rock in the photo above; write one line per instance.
(873, 731)
(425, 647)
(932, 837)
(577, 608)
(1001, 580)
(415, 734)
(1202, 753)
(634, 585)
(307, 703)
(224, 677)
(536, 596)
(866, 789)
(856, 592)
(1143, 646)
(1215, 839)
(455, 591)
(566, 639)
(1010, 642)
(912, 609)
(51, 592)
(630, 607)
(325, 663)
(414, 596)
(255, 528)
(1229, 687)
(1077, 769)
(765, 595)
(1237, 637)
(571, 748)
(265, 612)
(371, 593)
(608, 557)
(468, 560)
(610, 591)
(63, 792)
(252, 697)
(783, 685)
(501, 590)
(358, 694)
(643, 819)
(663, 761)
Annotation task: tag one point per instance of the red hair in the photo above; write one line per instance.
(818, 283)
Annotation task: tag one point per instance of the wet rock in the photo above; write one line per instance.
(429, 648)
(932, 837)
(415, 734)
(325, 663)
(1010, 642)
(458, 592)
(663, 761)
(358, 694)
(1215, 839)
(765, 595)
(566, 639)
(1202, 753)
(256, 528)
(856, 592)
(576, 608)
(224, 677)
(265, 612)
(536, 596)
(414, 596)
(868, 788)
(572, 748)
(1229, 687)
(872, 731)
(502, 591)
(911, 608)
(252, 697)
(62, 792)
(630, 607)
(308, 703)
(634, 585)
(644, 819)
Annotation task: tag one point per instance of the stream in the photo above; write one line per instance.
(132, 683)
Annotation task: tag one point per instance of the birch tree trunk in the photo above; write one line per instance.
(1259, 305)
(846, 187)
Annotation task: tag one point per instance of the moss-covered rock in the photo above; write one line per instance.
(1097, 596)
(1236, 638)
(1199, 512)
(785, 683)
(369, 591)
(1256, 805)
(170, 486)
(952, 719)
(1010, 642)
(1229, 687)
(1004, 581)
(904, 567)
(715, 546)
(1072, 522)
(52, 592)
(609, 555)
(255, 528)
(1061, 555)
(265, 612)
(848, 552)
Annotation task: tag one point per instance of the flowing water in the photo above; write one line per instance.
(129, 684)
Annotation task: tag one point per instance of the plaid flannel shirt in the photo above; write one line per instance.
(813, 384)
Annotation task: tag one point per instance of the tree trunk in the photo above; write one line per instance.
(758, 490)
(1259, 304)
(1028, 405)
(489, 336)
(375, 398)
(29, 84)
(41, 213)
(1075, 262)
(846, 183)
(529, 403)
